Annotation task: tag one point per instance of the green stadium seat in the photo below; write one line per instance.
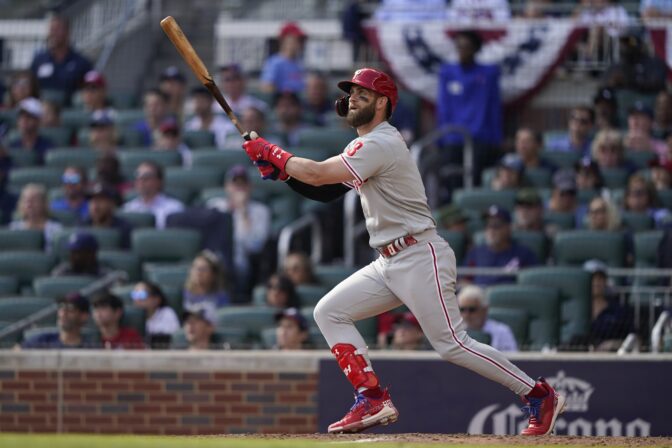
(542, 305)
(173, 274)
(134, 317)
(614, 177)
(259, 295)
(268, 338)
(21, 239)
(563, 221)
(127, 117)
(59, 136)
(311, 294)
(537, 242)
(665, 198)
(479, 199)
(516, 319)
(333, 139)
(585, 196)
(457, 241)
(317, 340)
(284, 210)
(222, 338)
(209, 193)
(574, 247)
(65, 217)
(137, 220)
(165, 245)
(194, 179)
(646, 248)
(368, 328)
(561, 159)
(8, 341)
(122, 260)
(56, 96)
(626, 98)
(9, 116)
(480, 336)
(199, 139)
(75, 119)
(60, 158)
(13, 309)
(574, 285)
(538, 177)
(22, 159)
(332, 275)
(637, 222)
(47, 176)
(252, 319)
(108, 238)
(56, 287)
(129, 160)
(640, 159)
(26, 265)
(124, 100)
(131, 138)
(215, 158)
(487, 176)
(9, 286)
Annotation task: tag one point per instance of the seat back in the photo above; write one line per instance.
(251, 319)
(165, 245)
(311, 294)
(479, 199)
(574, 247)
(27, 239)
(537, 242)
(199, 139)
(173, 274)
(517, 320)
(456, 240)
(637, 221)
(13, 309)
(62, 157)
(56, 287)
(9, 286)
(47, 176)
(332, 275)
(107, 237)
(26, 265)
(123, 260)
(646, 248)
(332, 139)
(138, 219)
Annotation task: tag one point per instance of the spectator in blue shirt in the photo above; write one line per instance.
(500, 249)
(579, 132)
(59, 66)
(155, 108)
(74, 193)
(73, 312)
(284, 71)
(206, 282)
(28, 124)
(469, 96)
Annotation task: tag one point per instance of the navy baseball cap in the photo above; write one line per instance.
(204, 311)
(103, 191)
(102, 117)
(75, 299)
(512, 162)
(295, 315)
(564, 180)
(639, 107)
(82, 241)
(605, 94)
(495, 211)
(172, 73)
(237, 172)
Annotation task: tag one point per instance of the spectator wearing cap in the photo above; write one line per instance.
(291, 331)
(28, 125)
(82, 257)
(73, 313)
(474, 305)
(232, 83)
(579, 135)
(155, 109)
(205, 119)
(33, 213)
(103, 132)
(500, 250)
(174, 85)
(564, 196)
(528, 213)
(108, 172)
(251, 223)
(661, 174)
(170, 139)
(636, 70)
(588, 175)
(641, 197)
(608, 151)
(281, 292)
(206, 282)
(603, 215)
(467, 12)
(289, 117)
(74, 183)
(51, 114)
(22, 85)
(161, 321)
(284, 71)
(94, 92)
(662, 116)
(605, 105)
(639, 136)
(151, 199)
(199, 322)
(469, 82)
(59, 66)
(407, 334)
(317, 104)
(528, 144)
(451, 217)
(509, 174)
(103, 203)
(108, 310)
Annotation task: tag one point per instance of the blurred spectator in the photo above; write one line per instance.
(640, 196)
(602, 16)
(477, 85)
(529, 144)
(82, 257)
(564, 197)
(102, 132)
(170, 139)
(161, 321)
(103, 203)
(108, 311)
(253, 119)
(655, 9)
(528, 212)
(28, 124)
(408, 334)
(639, 134)
(281, 293)
(151, 199)
(317, 103)
(59, 66)
(299, 269)
(75, 183)
(588, 176)
(33, 213)
(607, 150)
(579, 135)
(352, 17)
(292, 330)
(23, 84)
(469, 12)
(7, 198)
(174, 85)
(284, 71)
(606, 109)
(232, 82)
(251, 222)
(661, 175)
(405, 10)
(94, 92)
(509, 174)
(206, 282)
(204, 118)
(537, 9)
(474, 305)
(73, 313)
(662, 116)
(499, 249)
(155, 107)
(199, 322)
(289, 117)
(51, 114)
(452, 218)
(636, 70)
(108, 172)
(603, 215)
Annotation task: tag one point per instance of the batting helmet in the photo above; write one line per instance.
(375, 80)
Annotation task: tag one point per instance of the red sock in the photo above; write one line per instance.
(374, 392)
(538, 391)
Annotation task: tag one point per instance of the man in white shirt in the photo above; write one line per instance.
(474, 310)
(149, 186)
(204, 118)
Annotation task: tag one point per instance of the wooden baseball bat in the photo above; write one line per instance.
(186, 50)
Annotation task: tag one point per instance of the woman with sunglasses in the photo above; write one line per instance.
(161, 320)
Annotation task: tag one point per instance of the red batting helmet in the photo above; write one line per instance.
(375, 80)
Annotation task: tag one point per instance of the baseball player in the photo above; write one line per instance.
(416, 267)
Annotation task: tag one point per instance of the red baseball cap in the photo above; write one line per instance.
(291, 29)
(94, 78)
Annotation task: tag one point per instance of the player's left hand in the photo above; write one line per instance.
(261, 149)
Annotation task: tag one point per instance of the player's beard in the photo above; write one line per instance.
(361, 116)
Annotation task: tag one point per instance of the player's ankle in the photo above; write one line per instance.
(538, 391)
(373, 392)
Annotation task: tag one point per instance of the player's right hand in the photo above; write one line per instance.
(268, 171)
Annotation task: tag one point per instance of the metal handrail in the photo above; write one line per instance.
(657, 332)
(630, 345)
(287, 233)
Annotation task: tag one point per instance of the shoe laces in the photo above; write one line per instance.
(532, 409)
(359, 400)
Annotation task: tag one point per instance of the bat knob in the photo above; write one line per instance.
(251, 135)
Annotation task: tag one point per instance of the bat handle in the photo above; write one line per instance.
(248, 136)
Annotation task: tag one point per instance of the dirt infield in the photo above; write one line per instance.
(466, 439)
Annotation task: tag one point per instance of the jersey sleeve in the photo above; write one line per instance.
(364, 159)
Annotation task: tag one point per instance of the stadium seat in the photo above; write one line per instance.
(640, 159)
(585, 196)
(516, 319)
(137, 220)
(48, 176)
(56, 287)
(542, 305)
(574, 247)
(131, 138)
(25, 265)
(60, 158)
(252, 319)
(636, 221)
(165, 245)
(194, 179)
(65, 217)
(9, 286)
(284, 210)
(107, 237)
(614, 177)
(129, 160)
(537, 242)
(122, 260)
(13, 309)
(21, 239)
(124, 100)
(646, 248)
(135, 318)
(311, 294)
(8, 341)
(368, 328)
(215, 158)
(479, 199)
(127, 117)
(22, 159)
(333, 139)
(575, 295)
(480, 336)
(59, 136)
(268, 338)
(199, 139)
(259, 295)
(56, 96)
(208, 193)
(332, 275)
(173, 274)
(538, 177)
(561, 159)
(563, 221)
(457, 241)
(665, 198)
(625, 98)
(74, 119)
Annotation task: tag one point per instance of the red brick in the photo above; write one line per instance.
(293, 421)
(234, 376)
(71, 396)
(313, 377)
(99, 420)
(196, 398)
(32, 397)
(293, 398)
(244, 409)
(72, 374)
(146, 386)
(99, 375)
(46, 408)
(147, 409)
(81, 385)
(77, 429)
(260, 376)
(196, 376)
(228, 398)
(208, 386)
(45, 385)
(133, 420)
(180, 409)
(228, 420)
(163, 398)
(32, 419)
(72, 419)
(212, 409)
(96, 397)
(163, 420)
(246, 387)
(7, 419)
(132, 375)
(15, 385)
(183, 431)
(277, 387)
(32, 375)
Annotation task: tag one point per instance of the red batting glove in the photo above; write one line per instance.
(260, 149)
(268, 171)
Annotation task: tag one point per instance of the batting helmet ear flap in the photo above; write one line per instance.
(342, 106)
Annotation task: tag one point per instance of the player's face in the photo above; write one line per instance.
(362, 106)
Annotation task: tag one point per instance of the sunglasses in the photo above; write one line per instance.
(139, 294)
(468, 309)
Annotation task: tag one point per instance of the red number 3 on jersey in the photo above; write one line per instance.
(354, 148)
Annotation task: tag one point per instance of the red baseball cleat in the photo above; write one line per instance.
(542, 412)
(365, 413)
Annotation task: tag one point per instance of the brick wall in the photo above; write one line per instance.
(144, 395)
